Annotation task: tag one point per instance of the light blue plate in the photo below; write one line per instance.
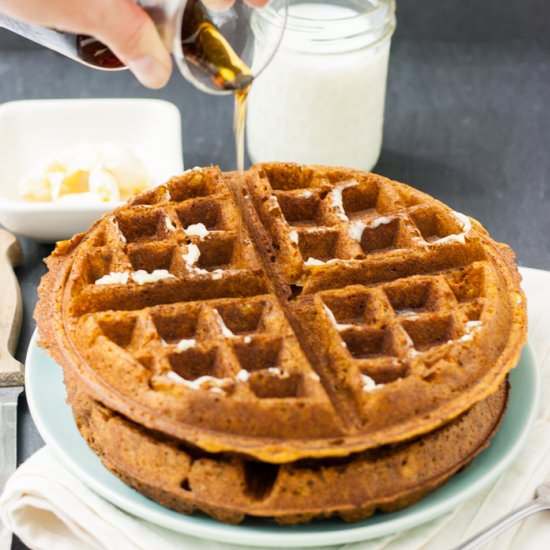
(54, 420)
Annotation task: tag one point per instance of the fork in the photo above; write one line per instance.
(540, 503)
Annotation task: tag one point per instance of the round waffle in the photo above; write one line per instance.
(284, 312)
(230, 487)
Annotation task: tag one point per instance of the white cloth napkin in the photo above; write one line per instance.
(48, 508)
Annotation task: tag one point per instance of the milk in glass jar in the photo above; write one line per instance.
(321, 100)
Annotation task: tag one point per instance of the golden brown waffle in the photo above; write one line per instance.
(230, 488)
(315, 312)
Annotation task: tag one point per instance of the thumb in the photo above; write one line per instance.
(131, 35)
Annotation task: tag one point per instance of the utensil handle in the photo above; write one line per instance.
(11, 370)
(63, 43)
(502, 524)
(8, 434)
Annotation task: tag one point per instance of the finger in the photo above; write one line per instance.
(218, 5)
(132, 36)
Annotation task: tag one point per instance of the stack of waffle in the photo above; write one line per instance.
(289, 342)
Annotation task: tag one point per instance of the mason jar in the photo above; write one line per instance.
(321, 99)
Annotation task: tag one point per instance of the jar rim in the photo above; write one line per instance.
(364, 28)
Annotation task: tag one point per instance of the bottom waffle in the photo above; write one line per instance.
(229, 488)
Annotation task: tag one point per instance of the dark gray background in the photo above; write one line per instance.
(467, 119)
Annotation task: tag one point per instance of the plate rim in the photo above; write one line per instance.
(289, 536)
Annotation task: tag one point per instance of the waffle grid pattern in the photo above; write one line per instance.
(393, 285)
(385, 329)
(193, 248)
(345, 295)
(320, 218)
(229, 347)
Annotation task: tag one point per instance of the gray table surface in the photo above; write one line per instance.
(467, 119)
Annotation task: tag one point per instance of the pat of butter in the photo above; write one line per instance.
(100, 173)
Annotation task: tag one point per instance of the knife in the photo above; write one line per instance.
(11, 370)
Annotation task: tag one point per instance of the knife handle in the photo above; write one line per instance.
(11, 312)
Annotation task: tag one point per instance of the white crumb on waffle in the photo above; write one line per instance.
(337, 202)
(168, 224)
(472, 325)
(293, 236)
(368, 383)
(355, 230)
(357, 227)
(243, 375)
(217, 274)
(247, 339)
(185, 344)
(216, 384)
(337, 199)
(197, 230)
(276, 371)
(314, 376)
(194, 169)
(118, 231)
(457, 237)
(142, 277)
(307, 194)
(273, 204)
(312, 229)
(332, 319)
(223, 327)
(464, 221)
(167, 197)
(313, 261)
(406, 312)
(382, 220)
(191, 257)
(175, 377)
(114, 278)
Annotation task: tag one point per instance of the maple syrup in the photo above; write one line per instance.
(205, 48)
(95, 53)
(239, 125)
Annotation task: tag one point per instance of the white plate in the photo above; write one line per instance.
(53, 418)
(32, 131)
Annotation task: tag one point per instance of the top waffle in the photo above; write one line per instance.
(284, 312)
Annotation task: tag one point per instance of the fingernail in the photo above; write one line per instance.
(150, 71)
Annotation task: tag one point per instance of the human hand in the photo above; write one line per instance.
(120, 24)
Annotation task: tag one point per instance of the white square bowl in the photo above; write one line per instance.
(31, 132)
